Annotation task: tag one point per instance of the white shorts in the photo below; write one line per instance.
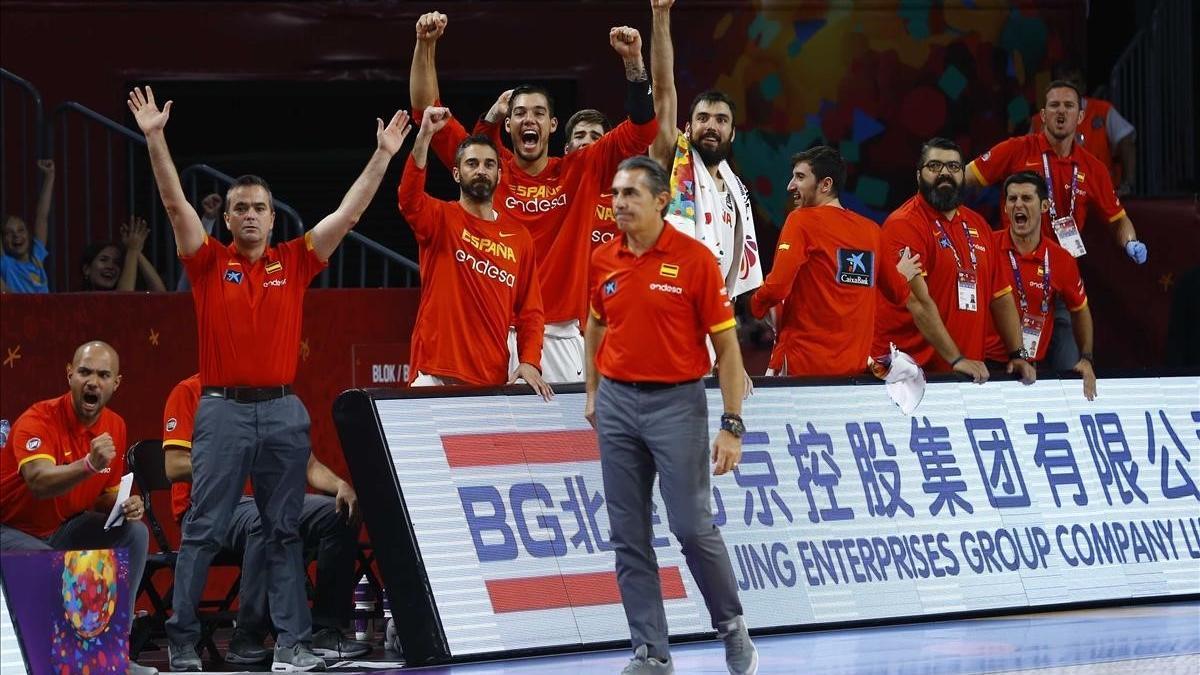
(562, 352)
(424, 380)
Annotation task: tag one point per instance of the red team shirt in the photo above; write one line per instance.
(658, 307)
(1094, 188)
(825, 269)
(557, 206)
(249, 315)
(604, 222)
(179, 418)
(913, 225)
(1064, 280)
(49, 430)
(476, 277)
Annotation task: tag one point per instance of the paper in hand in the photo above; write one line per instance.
(116, 517)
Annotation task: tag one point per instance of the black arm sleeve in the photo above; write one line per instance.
(639, 102)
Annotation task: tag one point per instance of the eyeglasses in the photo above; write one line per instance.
(935, 166)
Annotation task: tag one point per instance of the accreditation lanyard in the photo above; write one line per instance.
(1050, 183)
(950, 245)
(1021, 295)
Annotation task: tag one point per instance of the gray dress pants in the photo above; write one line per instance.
(645, 431)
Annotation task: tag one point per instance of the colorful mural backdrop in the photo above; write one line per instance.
(83, 597)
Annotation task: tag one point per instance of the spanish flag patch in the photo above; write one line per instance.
(273, 267)
(669, 271)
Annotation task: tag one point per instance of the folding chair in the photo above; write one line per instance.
(147, 460)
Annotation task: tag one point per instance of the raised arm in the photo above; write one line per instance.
(189, 232)
(333, 228)
(662, 70)
(41, 218)
(422, 75)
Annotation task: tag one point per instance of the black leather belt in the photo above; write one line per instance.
(652, 386)
(247, 394)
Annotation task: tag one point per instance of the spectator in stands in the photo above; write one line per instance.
(938, 317)
(210, 215)
(109, 267)
(329, 524)
(61, 470)
(1076, 180)
(824, 275)
(22, 262)
(1039, 271)
(1102, 132)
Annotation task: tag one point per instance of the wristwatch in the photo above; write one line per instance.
(1021, 353)
(1087, 356)
(733, 424)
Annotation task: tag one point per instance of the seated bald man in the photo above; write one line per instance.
(61, 469)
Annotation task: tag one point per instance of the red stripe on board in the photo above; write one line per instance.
(570, 590)
(526, 447)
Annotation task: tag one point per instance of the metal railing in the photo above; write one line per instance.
(22, 138)
(105, 177)
(1152, 85)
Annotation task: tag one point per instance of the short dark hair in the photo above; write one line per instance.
(713, 96)
(938, 143)
(249, 180)
(587, 116)
(1027, 178)
(477, 139)
(826, 163)
(656, 176)
(523, 89)
(1062, 84)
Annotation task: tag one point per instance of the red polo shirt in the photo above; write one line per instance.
(1064, 279)
(179, 419)
(248, 315)
(1094, 188)
(49, 430)
(914, 225)
(658, 307)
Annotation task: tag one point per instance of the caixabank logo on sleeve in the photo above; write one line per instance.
(856, 268)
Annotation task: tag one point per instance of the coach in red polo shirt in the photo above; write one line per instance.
(61, 469)
(657, 295)
(249, 298)
(1040, 271)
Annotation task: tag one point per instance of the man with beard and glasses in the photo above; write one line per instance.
(552, 197)
(249, 299)
(824, 275)
(708, 200)
(1077, 180)
(478, 271)
(1040, 271)
(939, 317)
(61, 470)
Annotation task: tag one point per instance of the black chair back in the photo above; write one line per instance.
(147, 461)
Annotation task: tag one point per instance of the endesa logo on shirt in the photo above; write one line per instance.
(856, 268)
(535, 198)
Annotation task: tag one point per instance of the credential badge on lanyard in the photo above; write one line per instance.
(1032, 324)
(1064, 227)
(968, 286)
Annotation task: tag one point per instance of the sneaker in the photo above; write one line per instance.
(245, 649)
(740, 655)
(296, 659)
(139, 669)
(329, 643)
(644, 664)
(183, 658)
